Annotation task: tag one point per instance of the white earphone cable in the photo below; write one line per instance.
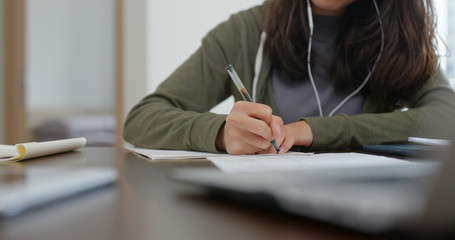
(259, 58)
(258, 64)
(372, 69)
(310, 40)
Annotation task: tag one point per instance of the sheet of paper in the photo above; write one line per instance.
(155, 154)
(264, 163)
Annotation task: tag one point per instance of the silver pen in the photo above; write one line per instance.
(245, 94)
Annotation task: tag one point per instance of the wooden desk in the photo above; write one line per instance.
(145, 204)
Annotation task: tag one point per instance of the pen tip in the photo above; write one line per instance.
(275, 145)
(228, 67)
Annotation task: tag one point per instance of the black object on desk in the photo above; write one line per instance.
(414, 150)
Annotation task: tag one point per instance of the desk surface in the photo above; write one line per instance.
(145, 204)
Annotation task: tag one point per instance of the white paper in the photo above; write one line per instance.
(265, 163)
(39, 149)
(155, 154)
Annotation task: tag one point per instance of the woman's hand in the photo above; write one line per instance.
(249, 129)
(294, 134)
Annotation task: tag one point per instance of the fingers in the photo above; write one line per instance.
(251, 117)
(244, 142)
(294, 134)
(247, 145)
(276, 124)
(256, 110)
(287, 144)
(249, 128)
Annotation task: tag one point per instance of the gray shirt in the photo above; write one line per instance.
(296, 98)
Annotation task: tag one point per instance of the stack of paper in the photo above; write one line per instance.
(155, 154)
(276, 162)
(270, 163)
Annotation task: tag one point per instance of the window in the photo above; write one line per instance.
(445, 11)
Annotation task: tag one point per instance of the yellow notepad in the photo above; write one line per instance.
(38, 149)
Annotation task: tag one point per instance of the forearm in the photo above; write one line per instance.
(156, 124)
(432, 104)
(342, 131)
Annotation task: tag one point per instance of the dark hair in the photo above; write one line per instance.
(408, 60)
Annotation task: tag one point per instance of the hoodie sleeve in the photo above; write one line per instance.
(433, 103)
(176, 115)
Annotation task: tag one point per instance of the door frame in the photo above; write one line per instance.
(119, 100)
(15, 113)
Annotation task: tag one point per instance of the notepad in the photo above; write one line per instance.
(158, 154)
(29, 150)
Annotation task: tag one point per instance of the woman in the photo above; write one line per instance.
(325, 74)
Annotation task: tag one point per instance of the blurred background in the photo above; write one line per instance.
(71, 68)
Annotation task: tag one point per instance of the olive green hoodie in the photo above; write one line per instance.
(176, 115)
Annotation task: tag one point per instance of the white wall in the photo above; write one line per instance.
(176, 28)
(2, 72)
(70, 55)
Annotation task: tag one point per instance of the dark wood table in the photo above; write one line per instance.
(145, 204)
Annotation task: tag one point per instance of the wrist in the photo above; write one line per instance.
(307, 138)
(219, 142)
(303, 135)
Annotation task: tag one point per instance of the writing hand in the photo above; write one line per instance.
(294, 134)
(249, 129)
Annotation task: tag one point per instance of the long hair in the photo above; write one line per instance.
(408, 60)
